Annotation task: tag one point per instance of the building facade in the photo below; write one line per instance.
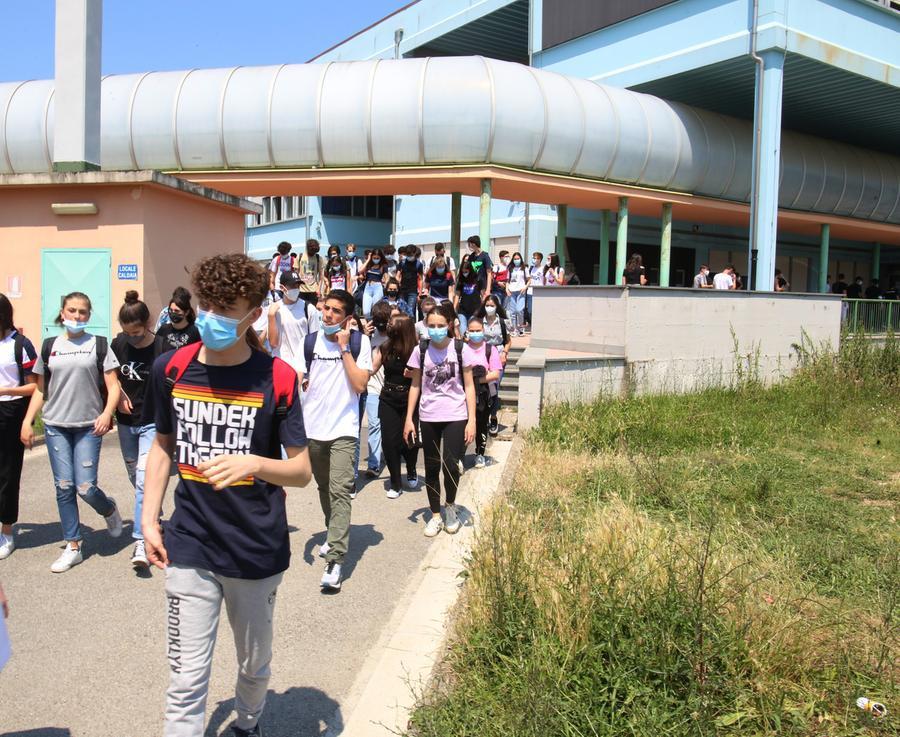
(830, 69)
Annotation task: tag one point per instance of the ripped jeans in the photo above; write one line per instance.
(135, 442)
(74, 456)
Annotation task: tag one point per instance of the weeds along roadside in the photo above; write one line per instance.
(719, 563)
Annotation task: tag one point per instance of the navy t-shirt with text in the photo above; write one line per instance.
(241, 531)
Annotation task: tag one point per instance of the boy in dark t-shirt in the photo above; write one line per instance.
(215, 406)
(481, 264)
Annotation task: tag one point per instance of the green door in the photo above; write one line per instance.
(65, 270)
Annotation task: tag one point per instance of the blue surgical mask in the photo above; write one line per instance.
(517, 261)
(440, 269)
(331, 329)
(376, 260)
(477, 336)
(410, 258)
(437, 334)
(217, 332)
(74, 326)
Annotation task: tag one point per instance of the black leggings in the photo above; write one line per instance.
(393, 445)
(453, 435)
(12, 452)
(481, 428)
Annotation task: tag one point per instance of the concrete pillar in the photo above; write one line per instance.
(876, 261)
(621, 240)
(764, 216)
(484, 215)
(824, 243)
(562, 227)
(455, 225)
(76, 100)
(665, 245)
(604, 248)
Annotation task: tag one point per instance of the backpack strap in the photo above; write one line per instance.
(178, 364)
(19, 356)
(459, 352)
(504, 333)
(423, 347)
(101, 349)
(46, 350)
(309, 350)
(487, 351)
(284, 380)
(355, 343)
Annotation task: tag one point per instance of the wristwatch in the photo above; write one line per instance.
(345, 349)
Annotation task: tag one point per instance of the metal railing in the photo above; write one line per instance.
(871, 316)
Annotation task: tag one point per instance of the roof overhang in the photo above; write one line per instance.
(517, 185)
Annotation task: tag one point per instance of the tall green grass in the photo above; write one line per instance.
(721, 563)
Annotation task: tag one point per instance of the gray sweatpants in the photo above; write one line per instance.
(192, 619)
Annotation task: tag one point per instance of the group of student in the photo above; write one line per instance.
(243, 400)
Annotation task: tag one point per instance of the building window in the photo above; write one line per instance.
(276, 210)
(378, 207)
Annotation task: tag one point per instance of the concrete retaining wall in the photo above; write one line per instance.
(592, 341)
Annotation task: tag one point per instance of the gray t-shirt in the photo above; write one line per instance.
(75, 399)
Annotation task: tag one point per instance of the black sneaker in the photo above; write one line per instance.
(371, 473)
(493, 427)
(255, 732)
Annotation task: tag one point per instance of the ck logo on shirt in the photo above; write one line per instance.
(132, 370)
(212, 422)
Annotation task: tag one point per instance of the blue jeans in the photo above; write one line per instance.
(410, 299)
(74, 456)
(373, 293)
(463, 324)
(375, 460)
(515, 310)
(135, 442)
(529, 315)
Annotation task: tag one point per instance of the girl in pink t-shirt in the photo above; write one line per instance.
(486, 369)
(441, 373)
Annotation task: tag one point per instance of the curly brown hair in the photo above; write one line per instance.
(221, 280)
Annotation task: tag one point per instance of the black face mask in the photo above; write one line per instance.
(176, 316)
(392, 295)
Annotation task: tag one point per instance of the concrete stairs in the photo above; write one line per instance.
(509, 387)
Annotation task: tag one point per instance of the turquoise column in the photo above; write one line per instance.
(562, 227)
(484, 215)
(876, 261)
(603, 276)
(764, 224)
(824, 244)
(621, 240)
(665, 245)
(455, 225)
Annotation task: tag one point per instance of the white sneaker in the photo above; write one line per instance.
(434, 526)
(114, 521)
(139, 556)
(451, 520)
(393, 493)
(331, 579)
(69, 557)
(323, 549)
(412, 482)
(479, 461)
(7, 545)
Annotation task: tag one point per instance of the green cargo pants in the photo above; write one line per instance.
(332, 466)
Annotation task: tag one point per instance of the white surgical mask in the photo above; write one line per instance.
(292, 294)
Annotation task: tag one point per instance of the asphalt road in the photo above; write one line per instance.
(89, 646)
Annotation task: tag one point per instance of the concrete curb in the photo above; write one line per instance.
(401, 664)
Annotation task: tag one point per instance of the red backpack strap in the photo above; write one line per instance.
(284, 379)
(179, 362)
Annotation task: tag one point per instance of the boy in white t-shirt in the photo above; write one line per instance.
(724, 279)
(281, 264)
(290, 321)
(334, 371)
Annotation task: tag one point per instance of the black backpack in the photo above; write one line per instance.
(19, 355)
(102, 348)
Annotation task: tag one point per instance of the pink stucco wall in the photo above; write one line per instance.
(159, 229)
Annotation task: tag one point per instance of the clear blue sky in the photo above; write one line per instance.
(148, 35)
